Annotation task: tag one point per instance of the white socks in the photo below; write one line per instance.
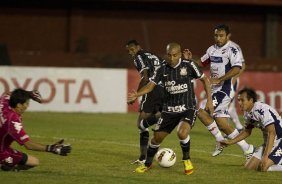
(243, 144)
(214, 130)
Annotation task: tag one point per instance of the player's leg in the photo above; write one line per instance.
(16, 161)
(274, 163)
(234, 116)
(210, 124)
(183, 132)
(152, 150)
(222, 116)
(231, 133)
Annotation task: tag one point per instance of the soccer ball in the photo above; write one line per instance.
(166, 157)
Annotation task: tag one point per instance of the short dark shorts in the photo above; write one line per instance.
(168, 121)
(13, 157)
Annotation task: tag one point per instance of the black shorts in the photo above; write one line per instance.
(153, 101)
(168, 121)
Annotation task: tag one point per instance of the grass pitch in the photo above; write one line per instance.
(105, 144)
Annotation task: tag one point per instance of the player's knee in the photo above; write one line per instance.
(32, 161)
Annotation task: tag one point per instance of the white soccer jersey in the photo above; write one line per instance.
(263, 115)
(221, 60)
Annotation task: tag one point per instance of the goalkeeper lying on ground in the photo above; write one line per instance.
(11, 129)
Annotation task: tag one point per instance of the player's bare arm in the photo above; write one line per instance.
(243, 134)
(207, 87)
(270, 129)
(144, 90)
(233, 72)
(144, 80)
(238, 75)
(30, 145)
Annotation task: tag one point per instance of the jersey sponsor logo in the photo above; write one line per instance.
(18, 126)
(178, 108)
(278, 153)
(215, 59)
(172, 88)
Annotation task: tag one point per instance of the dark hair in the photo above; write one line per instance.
(251, 93)
(18, 96)
(223, 27)
(134, 42)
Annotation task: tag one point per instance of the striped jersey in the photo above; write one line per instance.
(221, 60)
(146, 60)
(178, 85)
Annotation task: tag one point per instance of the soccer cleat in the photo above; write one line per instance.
(249, 153)
(188, 167)
(218, 149)
(142, 169)
(138, 162)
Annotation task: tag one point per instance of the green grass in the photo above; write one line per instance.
(105, 144)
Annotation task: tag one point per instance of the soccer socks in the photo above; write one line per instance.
(214, 130)
(144, 139)
(243, 144)
(275, 168)
(185, 146)
(152, 150)
(145, 123)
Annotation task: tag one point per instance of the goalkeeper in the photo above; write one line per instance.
(12, 106)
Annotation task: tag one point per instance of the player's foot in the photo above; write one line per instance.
(249, 153)
(188, 167)
(218, 149)
(138, 162)
(142, 168)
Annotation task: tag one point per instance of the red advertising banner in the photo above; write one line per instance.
(268, 86)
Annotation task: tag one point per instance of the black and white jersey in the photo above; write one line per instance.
(146, 60)
(178, 85)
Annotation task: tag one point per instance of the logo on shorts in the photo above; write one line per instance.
(8, 160)
(278, 153)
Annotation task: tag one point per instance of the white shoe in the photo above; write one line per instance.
(249, 153)
(218, 149)
(138, 162)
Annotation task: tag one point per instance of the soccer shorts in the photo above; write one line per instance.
(153, 101)
(220, 102)
(276, 152)
(168, 121)
(13, 157)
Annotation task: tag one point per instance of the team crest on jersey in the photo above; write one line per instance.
(183, 71)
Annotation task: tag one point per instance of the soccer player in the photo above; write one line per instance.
(146, 64)
(12, 106)
(267, 157)
(179, 108)
(225, 59)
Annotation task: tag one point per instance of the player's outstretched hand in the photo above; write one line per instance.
(36, 96)
(59, 148)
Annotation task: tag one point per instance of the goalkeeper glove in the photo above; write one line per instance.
(35, 95)
(59, 148)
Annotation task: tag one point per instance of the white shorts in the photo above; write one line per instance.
(220, 102)
(276, 158)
